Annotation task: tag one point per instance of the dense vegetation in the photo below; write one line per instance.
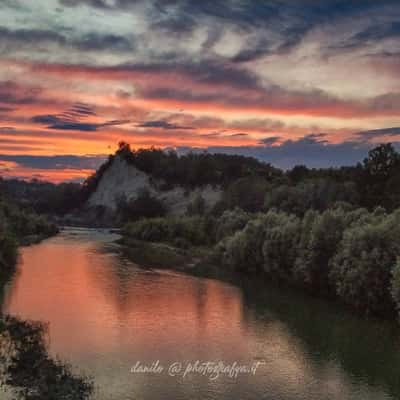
(256, 187)
(19, 226)
(43, 197)
(26, 367)
(343, 253)
(247, 183)
(333, 233)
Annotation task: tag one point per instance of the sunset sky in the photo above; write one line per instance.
(313, 82)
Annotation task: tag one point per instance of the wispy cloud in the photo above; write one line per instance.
(259, 78)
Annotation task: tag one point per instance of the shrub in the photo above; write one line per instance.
(319, 195)
(8, 252)
(243, 250)
(395, 290)
(230, 222)
(194, 230)
(143, 206)
(26, 366)
(321, 235)
(247, 193)
(281, 238)
(197, 206)
(362, 267)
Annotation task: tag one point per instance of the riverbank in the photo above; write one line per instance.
(347, 255)
(26, 369)
(164, 255)
(155, 314)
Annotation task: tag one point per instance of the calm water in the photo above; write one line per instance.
(105, 314)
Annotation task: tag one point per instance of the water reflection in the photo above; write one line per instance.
(106, 313)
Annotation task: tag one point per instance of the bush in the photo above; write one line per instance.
(247, 194)
(8, 253)
(230, 222)
(193, 230)
(396, 284)
(243, 251)
(143, 206)
(281, 238)
(197, 206)
(362, 267)
(318, 195)
(26, 366)
(339, 253)
(15, 226)
(321, 235)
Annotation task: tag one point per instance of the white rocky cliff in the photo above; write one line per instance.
(125, 180)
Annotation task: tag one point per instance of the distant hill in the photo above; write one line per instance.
(174, 180)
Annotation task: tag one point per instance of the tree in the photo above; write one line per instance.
(247, 194)
(381, 161)
(143, 206)
(362, 267)
(396, 284)
(197, 206)
(380, 167)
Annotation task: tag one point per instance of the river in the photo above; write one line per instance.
(108, 318)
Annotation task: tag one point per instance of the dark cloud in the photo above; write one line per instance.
(287, 20)
(56, 162)
(71, 119)
(31, 36)
(270, 140)
(88, 42)
(109, 42)
(377, 133)
(74, 126)
(207, 71)
(45, 119)
(310, 150)
(312, 102)
(163, 125)
(83, 126)
(375, 33)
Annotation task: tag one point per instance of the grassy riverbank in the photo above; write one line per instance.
(19, 227)
(344, 253)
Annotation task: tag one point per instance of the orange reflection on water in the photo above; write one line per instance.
(95, 303)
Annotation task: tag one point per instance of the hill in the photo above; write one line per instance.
(175, 181)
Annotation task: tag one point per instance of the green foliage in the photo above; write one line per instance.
(8, 253)
(26, 366)
(320, 238)
(181, 231)
(362, 267)
(243, 251)
(378, 181)
(281, 238)
(396, 284)
(247, 193)
(230, 222)
(43, 197)
(143, 206)
(343, 253)
(319, 195)
(15, 225)
(197, 206)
